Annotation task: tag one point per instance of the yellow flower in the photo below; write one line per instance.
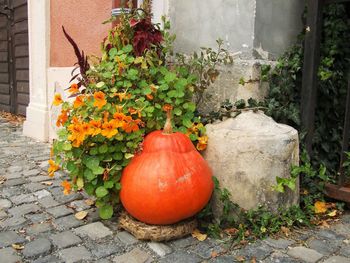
(100, 100)
(109, 129)
(77, 135)
(202, 143)
(57, 99)
(53, 168)
(66, 187)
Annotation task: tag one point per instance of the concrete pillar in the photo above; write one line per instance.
(36, 124)
(256, 31)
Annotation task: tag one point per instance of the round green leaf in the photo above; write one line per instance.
(106, 211)
(101, 191)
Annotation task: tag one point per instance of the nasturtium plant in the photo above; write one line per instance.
(118, 99)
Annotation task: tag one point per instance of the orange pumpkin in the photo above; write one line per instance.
(168, 182)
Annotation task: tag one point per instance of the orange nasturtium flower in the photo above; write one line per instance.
(131, 125)
(57, 99)
(62, 118)
(77, 135)
(53, 168)
(95, 127)
(74, 88)
(87, 129)
(109, 129)
(79, 101)
(202, 143)
(66, 187)
(100, 100)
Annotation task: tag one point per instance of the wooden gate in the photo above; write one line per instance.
(14, 65)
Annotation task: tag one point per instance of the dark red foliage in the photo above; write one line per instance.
(145, 35)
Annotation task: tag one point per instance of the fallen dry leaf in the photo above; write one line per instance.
(240, 258)
(325, 224)
(2, 179)
(231, 231)
(320, 207)
(17, 246)
(89, 202)
(285, 230)
(214, 254)
(333, 213)
(81, 215)
(253, 260)
(198, 235)
(48, 183)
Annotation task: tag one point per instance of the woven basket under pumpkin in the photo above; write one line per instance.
(143, 231)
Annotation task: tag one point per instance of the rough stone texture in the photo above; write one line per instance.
(37, 247)
(337, 259)
(324, 247)
(305, 254)
(181, 256)
(60, 211)
(67, 222)
(8, 255)
(4, 203)
(253, 138)
(38, 228)
(126, 238)
(9, 237)
(94, 231)
(75, 254)
(159, 248)
(279, 243)
(134, 256)
(24, 198)
(65, 239)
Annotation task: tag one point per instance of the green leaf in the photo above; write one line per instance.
(101, 191)
(128, 155)
(103, 148)
(67, 146)
(118, 156)
(91, 162)
(177, 111)
(98, 170)
(127, 49)
(71, 167)
(108, 184)
(89, 175)
(106, 211)
(93, 151)
(187, 122)
(169, 77)
(118, 186)
(100, 84)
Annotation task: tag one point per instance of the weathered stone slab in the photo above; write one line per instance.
(181, 257)
(37, 247)
(67, 222)
(5, 203)
(94, 231)
(65, 239)
(60, 211)
(8, 255)
(126, 238)
(159, 248)
(253, 138)
(75, 254)
(337, 259)
(10, 237)
(134, 256)
(305, 254)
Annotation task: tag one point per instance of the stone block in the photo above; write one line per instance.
(181, 256)
(40, 246)
(337, 259)
(8, 255)
(60, 211)
(67, 222)
(38, 228)
(126, 238)
(9, 237)
(279, 243)
(48, 201)
(94, 231)
(305, 254)
(134, 256)
(5, 203)
(75, 254)
(65, 239)
(24, 209)
(247, 153)
(23, 198)
(159, 248)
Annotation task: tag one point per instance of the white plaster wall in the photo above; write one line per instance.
(36, 124)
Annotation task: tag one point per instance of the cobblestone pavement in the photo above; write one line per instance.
(41, 219)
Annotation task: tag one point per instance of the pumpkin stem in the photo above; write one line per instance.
(168, 129)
